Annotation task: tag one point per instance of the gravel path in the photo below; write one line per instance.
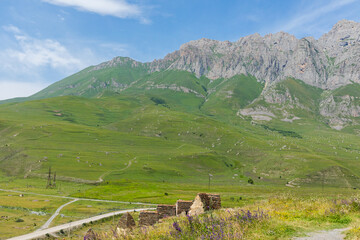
(48, 222)
(336, 234)
(42, 233)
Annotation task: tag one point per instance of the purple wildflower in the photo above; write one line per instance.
(177, 227)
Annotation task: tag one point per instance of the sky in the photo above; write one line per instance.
(44, 41)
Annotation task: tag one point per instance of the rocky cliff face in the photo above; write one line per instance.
(279, 60)
(339, 112)
(328, 63)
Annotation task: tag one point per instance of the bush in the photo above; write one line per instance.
(158, 101)
(19, 220)
(250, 181)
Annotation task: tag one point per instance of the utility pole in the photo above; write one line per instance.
(54, 184)
(49, 179)
(210, 175)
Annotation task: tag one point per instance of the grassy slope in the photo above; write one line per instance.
(172, 144)
(229, 95)
(195, 144)
(90, 83)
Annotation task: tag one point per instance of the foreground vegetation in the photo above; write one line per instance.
(282, 217)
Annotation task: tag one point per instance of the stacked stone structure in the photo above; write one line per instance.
(205, 202)
(148, 218)
(126, 221)
(215, 201)
(166, 211)
(183, 207)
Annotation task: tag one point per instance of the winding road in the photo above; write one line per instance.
(43, 230)
(42, 233)
(101, 178)
(48, 222)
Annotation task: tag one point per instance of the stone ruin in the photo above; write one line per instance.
(183, 207)
(91, 235)
(126, 221)
(205, 202)
(166, 211)
(215, 201)
(148, 218)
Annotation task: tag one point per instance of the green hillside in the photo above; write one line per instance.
(115, 76)
(121, 127)
(99, 136)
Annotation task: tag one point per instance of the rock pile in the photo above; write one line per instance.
(126, 221)
(91, 235)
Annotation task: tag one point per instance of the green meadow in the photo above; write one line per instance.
(153, 143)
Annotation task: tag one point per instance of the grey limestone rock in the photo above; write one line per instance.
(329, 62)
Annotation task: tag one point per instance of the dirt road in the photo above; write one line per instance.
(41, 233)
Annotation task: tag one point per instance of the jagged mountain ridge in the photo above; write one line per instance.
(328, 63)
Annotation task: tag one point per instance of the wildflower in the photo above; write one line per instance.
(177, 227)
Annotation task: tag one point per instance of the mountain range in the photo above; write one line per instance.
(245, 103)
(328, 69)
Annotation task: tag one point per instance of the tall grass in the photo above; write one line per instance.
(281, 217)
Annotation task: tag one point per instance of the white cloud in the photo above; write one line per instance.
(12, 28)
(42, 52)
(116, 8)
(306, 20)
(28, 64)
(12, 89)
(31, 52)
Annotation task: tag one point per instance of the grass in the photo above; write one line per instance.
(283, 216)
(106, 134)
(158, 139)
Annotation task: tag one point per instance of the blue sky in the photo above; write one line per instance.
(43, 41)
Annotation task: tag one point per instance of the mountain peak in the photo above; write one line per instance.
(117, 61)
(343, 34)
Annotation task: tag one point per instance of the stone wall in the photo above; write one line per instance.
(215, 201)
(148, 218)
(166, 211)
(205, 202)
(183, 206)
